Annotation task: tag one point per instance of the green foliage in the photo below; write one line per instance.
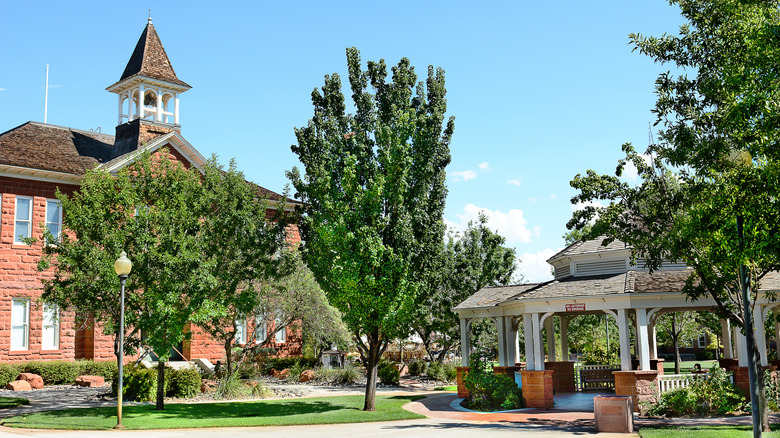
(707, 395)
(281, 363)
(183, 383)
(417, 367)
(8, 373)
(436, 371)
(105, 369)
(677, 329)
(388, 373)
(472, 261)
(294, 376)
(772, 385)
(346, 375)
(488, 391)
(373, 197)
(140, 383)
(595, 338)
(230, 387)
(53, 372)
(705, 355)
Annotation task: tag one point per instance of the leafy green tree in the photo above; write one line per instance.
(472, 261)
(708, 193)
(296, 300)
(151, 209)
(241, 244)
(677, 328)
(575, 235)
(373, 192)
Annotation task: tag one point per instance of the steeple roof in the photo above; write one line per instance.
(150, 60)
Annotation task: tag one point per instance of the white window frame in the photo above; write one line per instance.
(240, 338)
(25, 325)
(16, 218)
(51, 327)
(703, 340)
(281, 335)
(261, 329)
(59, 218)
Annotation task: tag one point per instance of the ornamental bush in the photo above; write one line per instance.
(388, 374)
(8, 373)
(140, 383)
(417, 367)
(183, 383)
(488, 391)
(53, 372)
(707, 395)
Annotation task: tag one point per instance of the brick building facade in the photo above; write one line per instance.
(37, 159)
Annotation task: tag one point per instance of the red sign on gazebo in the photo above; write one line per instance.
(575, 307)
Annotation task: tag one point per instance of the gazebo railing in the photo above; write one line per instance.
(596, 377)
(668, 382)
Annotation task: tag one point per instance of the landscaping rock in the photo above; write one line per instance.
(35, 381)
(90, 381)
(307, 375)
(18, 385)
(283, 374)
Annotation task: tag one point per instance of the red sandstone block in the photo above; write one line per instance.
(35, 381)
(90, 381)
(18, 385)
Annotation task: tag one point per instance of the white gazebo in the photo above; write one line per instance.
(594, 279)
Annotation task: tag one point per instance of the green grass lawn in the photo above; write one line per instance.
(321, 410)
(686, 366)
(12, 402)
(705, 432)
(446, 388)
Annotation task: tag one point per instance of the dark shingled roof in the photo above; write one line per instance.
(593, 246)
(48, 147)
(149, 59)
(608, 284)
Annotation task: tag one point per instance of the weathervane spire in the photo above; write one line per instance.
(150, 16)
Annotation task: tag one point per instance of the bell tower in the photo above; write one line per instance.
(148, 93)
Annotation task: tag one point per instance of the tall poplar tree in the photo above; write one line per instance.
(373, 192)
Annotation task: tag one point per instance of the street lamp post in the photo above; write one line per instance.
(122, 267)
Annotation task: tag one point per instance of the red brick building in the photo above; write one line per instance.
(37, 158)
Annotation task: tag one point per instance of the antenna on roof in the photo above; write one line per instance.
(150, 16)
(46, 96)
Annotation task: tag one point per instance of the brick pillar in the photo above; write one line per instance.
(538, 388)
(461, 373)
(742, 380)
(728, 363)
(642, 386)
(563, 379)
(659, 366)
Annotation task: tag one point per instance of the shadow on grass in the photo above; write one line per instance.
(12, 402)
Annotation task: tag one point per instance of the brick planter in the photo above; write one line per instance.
(642, 386)
(461, 373)
(563, 379)
(538, 388)
(613, 413)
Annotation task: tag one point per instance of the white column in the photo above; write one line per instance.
(538, 348)
(549, 327)
(501, 329)
(511, 341)
(176, 109)
(725, 333)
(141, 98)
(528, 333)
(742, 353)
(653, 341)
(120, 109)
(564, 338)
(642, 340)
(758, 323)
(158, 114)
(625, 340)
(464, 342)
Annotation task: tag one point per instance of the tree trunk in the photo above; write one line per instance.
(763, 405)
(372, 360)
(160, 385)
(229, 356)
(676, 343)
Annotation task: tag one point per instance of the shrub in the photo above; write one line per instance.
(183, 383)
(705, 355)
(230, 386)
(443, 372)
(488, 391)
(54, 372)
(707, 394)
(248, 370)
(294, 374)
(139, 382)
(8, 373)
(107, 369)
(450, 371)
(388, 374)
(281, 363)
(417, 367)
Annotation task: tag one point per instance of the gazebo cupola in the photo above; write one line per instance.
(149, 89)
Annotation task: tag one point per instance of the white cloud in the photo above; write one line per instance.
(514, 182)
(3, 89)
(534, 266)
(484, 166)
(630, 172)
(463, 175)
(553, 196)
(511, 224)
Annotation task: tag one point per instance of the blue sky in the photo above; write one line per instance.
(541, 91)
